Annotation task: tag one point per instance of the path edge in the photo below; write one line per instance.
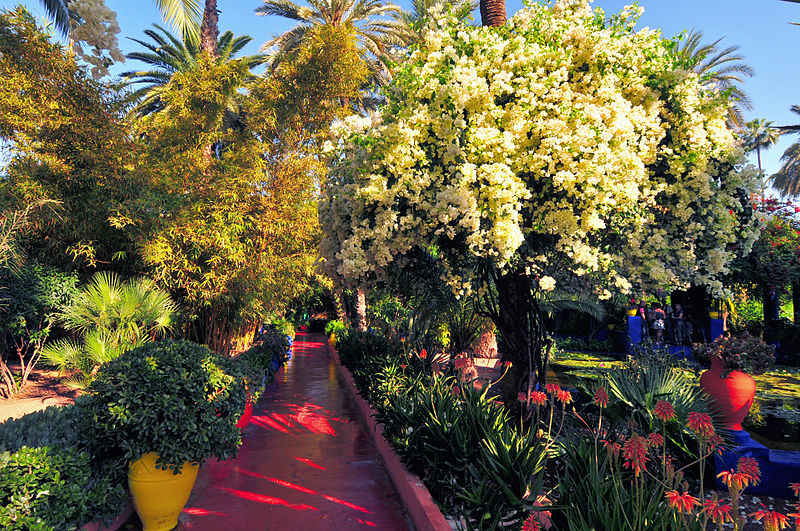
(424, 513)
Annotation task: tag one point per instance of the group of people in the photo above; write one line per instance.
(669, 326)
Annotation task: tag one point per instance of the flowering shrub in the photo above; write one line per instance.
(743, 352)
(563, 138)
(95, 26)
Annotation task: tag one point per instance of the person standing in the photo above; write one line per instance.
(659, 323)
(677, 324)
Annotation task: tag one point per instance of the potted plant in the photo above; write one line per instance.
(162, 409)
(732, 360)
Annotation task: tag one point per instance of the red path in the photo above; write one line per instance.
(307, 461)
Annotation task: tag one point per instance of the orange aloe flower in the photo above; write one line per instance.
(538, 398)
(522, 397)
(718, 512)
(552, 389)
(612, 448)
(655, 439)
(635, 453)
(682, 502)
(795, 488)
(749, 466)
(773, 520)
(600, 397)
(664, 410)
(565, 397)
(734, 480)
(701, 424)
(423, 353)
(531, 524)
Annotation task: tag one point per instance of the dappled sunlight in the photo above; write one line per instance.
(196, 511)
(309, 462)
(310, 417)
(304, 490)
(270, 500)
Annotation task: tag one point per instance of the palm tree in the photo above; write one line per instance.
(787, 180)
(760, 134)
(720, 69)
(185, 14)
(493, 12)
(374, 36)
(168, 55)
(112, 317)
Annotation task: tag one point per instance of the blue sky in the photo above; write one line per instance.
(761, 28)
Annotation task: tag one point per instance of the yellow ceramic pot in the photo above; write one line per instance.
(159, 495)
(632, 312)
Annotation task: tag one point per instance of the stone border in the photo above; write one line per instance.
(424, 513)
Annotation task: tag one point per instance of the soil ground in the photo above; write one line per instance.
(44, 389)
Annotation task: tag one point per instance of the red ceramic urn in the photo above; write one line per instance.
(732, 394)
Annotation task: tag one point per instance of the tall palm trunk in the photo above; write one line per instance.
(493, 12)
(209, 31)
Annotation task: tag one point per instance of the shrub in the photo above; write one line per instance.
(44, 452)
(334, 327)
(464, 447)
(743, 352)
(53, 488)
(32, 299)
(262, 361)
(176, 398)
(54, 426)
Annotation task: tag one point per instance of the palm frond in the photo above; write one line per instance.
(185, 15)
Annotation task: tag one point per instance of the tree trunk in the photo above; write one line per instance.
(361, 310)
(519, 320)
(796, 302)
(209, 31)
(493, 12)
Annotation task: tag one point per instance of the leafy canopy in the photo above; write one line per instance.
(562, 142)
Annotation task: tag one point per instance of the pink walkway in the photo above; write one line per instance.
(307, 462)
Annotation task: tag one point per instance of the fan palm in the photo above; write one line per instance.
(760, 134)
(111, 317)
(721, 69)
(168, 55)
(374, 36)
(787, 180)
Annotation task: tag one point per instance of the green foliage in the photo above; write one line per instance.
(335, 327)
(32, 298)
(112, 317)
(594, 499)
(742, 352)
(53, 488)
(68, 143)
(54, 426)
(262, 361)
(636, 388)
(567, 344)
(51, 477)
(474, 462)
(175, 398)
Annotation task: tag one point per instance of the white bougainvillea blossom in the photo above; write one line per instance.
(564, 139)
(94, 35)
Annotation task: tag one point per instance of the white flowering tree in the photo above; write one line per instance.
(562, 146)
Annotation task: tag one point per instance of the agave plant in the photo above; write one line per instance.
(109, 317)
